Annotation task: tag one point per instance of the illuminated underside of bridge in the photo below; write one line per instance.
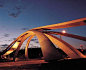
(47, 39)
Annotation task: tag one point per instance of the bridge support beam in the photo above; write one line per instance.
(26, 48)
(48, 49)
(23, 39)
(67, 48)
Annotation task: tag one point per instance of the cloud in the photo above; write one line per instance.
(6, 35)
(14, 38)
(1, 3)
(9, 40)
(14, 7)
(1, 6)
(2, 37)
(7, 29)
(3, 26)
(32, 46)
(35, 40)
(19, 7)
(4, 45)
(14, 14)
(5, 40)
(24, 28)
(17, 10)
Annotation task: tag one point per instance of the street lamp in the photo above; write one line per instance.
(63, 31)
(82, 48)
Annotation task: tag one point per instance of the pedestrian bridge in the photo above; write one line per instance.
(47, 39)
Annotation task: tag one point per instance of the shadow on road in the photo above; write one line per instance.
(71, 64)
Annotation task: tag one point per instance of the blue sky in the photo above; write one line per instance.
(18, 16)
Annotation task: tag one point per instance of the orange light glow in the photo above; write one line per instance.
(63, 31)
(15, 45)
(8, 52)
(12, 48)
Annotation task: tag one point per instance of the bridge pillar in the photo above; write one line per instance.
(67, 48)
(48, 49)
(26, 48)
(16, 52)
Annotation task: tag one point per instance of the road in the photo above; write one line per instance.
(19, 63)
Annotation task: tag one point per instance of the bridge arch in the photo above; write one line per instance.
(45, 39)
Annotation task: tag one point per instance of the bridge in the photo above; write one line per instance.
(47, 39)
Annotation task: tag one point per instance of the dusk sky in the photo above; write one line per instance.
(18, 16)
